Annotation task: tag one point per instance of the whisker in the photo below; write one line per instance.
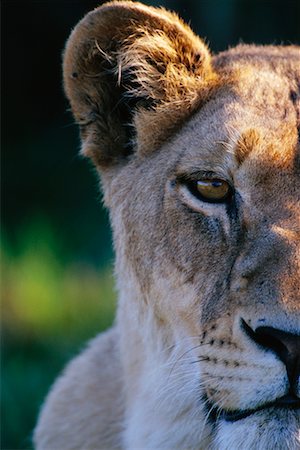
(185, 353)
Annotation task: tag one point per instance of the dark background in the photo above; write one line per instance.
(51, 216)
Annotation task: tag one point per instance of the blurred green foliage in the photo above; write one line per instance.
(49, 309)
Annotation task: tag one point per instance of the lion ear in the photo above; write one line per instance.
(132, 73)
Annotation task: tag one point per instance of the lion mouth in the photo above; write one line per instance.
(289, 401)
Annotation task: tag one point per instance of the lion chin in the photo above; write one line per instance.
(267, 429)
(199, 160)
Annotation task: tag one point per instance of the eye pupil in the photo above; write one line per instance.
(217, 183)
(212, 190)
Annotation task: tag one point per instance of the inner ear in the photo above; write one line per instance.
(125, 106)
(132, 73)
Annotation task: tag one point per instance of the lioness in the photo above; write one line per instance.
(199, 159)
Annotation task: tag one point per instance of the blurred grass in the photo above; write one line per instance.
(50, 307)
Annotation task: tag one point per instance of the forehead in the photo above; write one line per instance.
(253, 117)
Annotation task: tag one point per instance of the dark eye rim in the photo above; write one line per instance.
(191, 185)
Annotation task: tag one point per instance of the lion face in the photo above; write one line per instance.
(203, 188)
(221, 270)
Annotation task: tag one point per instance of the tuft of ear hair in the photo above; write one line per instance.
(133, 74)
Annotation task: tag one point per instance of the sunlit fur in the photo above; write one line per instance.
(155, 108)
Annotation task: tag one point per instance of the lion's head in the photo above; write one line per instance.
(200, 164)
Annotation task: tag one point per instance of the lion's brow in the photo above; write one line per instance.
(245, 144)
(241, 144)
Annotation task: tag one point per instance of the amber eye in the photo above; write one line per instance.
(211, 190)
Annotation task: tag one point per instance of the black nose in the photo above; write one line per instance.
(285, 345)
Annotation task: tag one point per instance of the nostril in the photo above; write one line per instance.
(285, 345)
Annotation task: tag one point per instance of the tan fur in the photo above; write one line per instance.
(155, 108)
